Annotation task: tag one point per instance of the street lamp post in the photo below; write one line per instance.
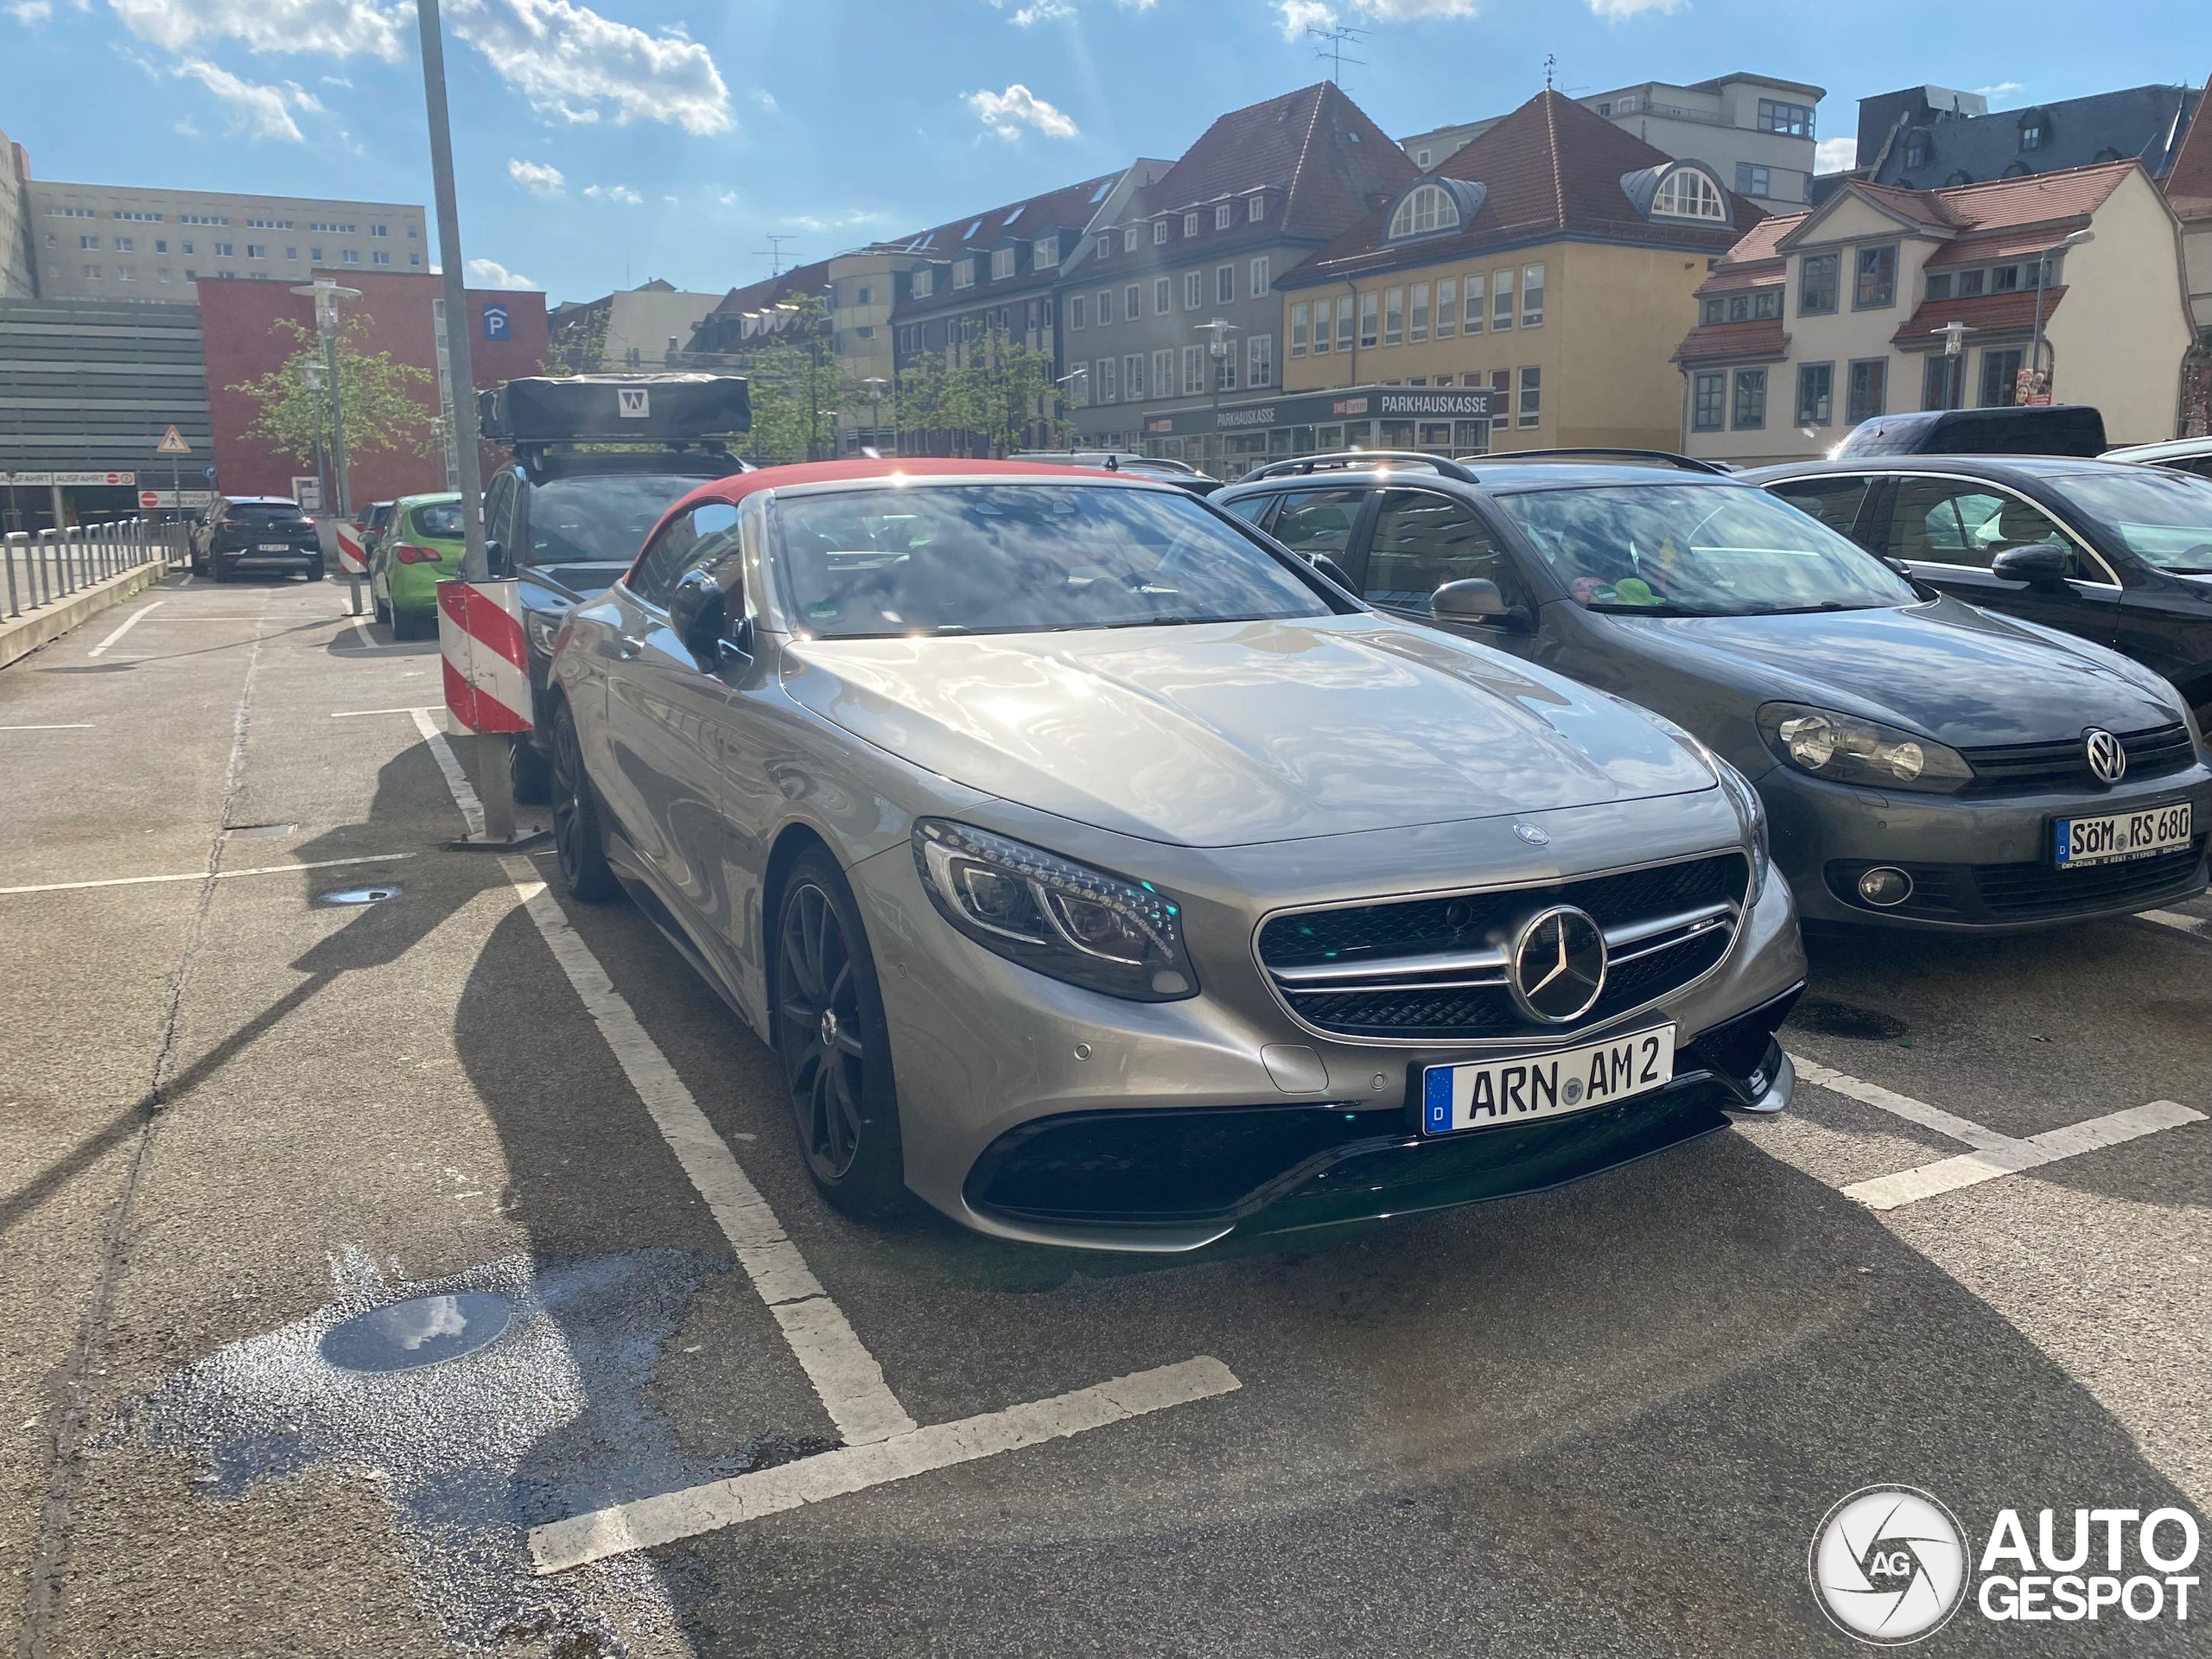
(2042, 269)
(875, 383)
(326, 294)
(1217, 331)
(1954, 335)
(311, 374)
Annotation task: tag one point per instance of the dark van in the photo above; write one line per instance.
(2032, 430)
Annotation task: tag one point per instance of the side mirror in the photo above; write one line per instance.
(495, 556)
(1472, 599)
(2041, 564)
(1328, 568)
(698, 611)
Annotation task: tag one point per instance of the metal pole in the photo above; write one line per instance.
(2035, 352)
(14, 538)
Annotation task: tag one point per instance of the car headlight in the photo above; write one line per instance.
(1850, 750)
(1052, 914)
(544, 627)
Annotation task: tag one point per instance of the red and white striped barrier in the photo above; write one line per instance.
(486, 662)
(352, 560)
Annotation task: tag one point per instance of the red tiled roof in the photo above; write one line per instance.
(774, 290)
(2011, 245)
(1734, 278)
(1057, 208)
(2034, 199)
(2188, 180)
(1919, 205)
(1986, 314)
(1551, 168)
(1710, 341)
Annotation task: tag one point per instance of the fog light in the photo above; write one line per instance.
(1885, 887)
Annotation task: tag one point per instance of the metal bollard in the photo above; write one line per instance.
(10, 546)
(47, 539)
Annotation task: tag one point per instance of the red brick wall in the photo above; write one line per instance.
(237, 327)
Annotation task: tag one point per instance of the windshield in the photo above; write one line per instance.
(441, 521)
(2162, 518)
(599, 520)
(1669, 549)
(1018, 559)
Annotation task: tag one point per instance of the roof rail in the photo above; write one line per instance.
(1685, 463)
(1343, 460)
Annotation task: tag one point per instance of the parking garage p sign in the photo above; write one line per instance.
(1890, 1565)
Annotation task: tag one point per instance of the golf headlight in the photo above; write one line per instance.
(544, 627)
(1854, 751)
(1052, 914)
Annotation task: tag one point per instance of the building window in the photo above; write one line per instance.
(1190, 223)
(1107, 372)
(1224, 284)
(1473, 312)
(1133, 302)
(2002, 279)
(1501, 301)
(2035, 128)
(293, 254)
(1421, 159)
(1260, 360)
(1939, 284)
(1501, 389)
(1394, 317)
(1971, 283)
(1428, 209)
(1133, 376)
(1129, 238)
(1163, 297)
(1001, 263)
(1194, 370)
(1708, 402)
(1532, 397)
(1715, 311)
(1078, 312)
(1163, 374)
(1754, 180)
(1815, 394)
(228, 251)
(925, 281)
(2000, 378)
(1321, 328)
(1874, 287)
(382, 257)
(1105, 307)
(1447, 307)
(1045, 252)
(1224, 369)
(1343, 323)
(93, 272)
(126, 245)
(1105, 246)
(1916, 150)
(1158, 233)
(164, 275)
(963, 273)
(1869, 392)
(1688, 193)
(414, 258)
(866, 331)
(1301, 317)
(379, 230)
(1417, 314)
(88, 244)
(1261, 277)
(1751, 398)
(126, 273)
(1194, 293)
(1793, 120)
(1370, 311)
(1532, 296)
(1255, 209)
(1222, 217)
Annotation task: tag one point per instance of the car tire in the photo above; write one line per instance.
(529, 773)
(315, 573)
(382, 610)
(579, 846)
(218, 571)
(405, 626)
(834, 1045)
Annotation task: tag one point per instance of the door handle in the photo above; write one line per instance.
(630, 645)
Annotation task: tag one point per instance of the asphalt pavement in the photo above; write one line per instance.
(238, 1112)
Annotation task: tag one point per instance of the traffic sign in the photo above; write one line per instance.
(207, 472)
(72, 480)
(497, 322)
(172, 444)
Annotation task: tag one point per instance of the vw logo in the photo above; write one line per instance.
(1888, 1566)
(1533, 835)
(2106, 757)
(1558, 967)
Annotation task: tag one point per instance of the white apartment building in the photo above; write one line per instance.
(1756, 132)
(127, 242)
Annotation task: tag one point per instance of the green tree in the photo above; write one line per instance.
(797, 386)
(382, 408)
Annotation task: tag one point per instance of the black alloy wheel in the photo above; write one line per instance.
(580, 855)
(831, 1037)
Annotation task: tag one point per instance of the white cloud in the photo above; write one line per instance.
(567, 60)
(1298, 15)
(2002, 89)
(765, 99)
(336, 80)
(1835, 154)
(850, 218)
(1007, 112)
(1406, 11)
(1618, 10)
(490, 273)
(31, 11)
(619, 192)
(1040, 11)
(728, 198)
(259, 111)
(376, 28)
(539, 178)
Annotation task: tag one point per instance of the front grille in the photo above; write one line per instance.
(1434, 969)
(2030, 768)
(2026, 892)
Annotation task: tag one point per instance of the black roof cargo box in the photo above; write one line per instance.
(616, 409)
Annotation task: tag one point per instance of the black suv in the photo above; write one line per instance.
(243, 534)
(2119, 554)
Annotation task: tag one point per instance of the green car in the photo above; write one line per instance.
(421, 549)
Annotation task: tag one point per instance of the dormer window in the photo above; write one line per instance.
(1256, 209)
(1915, 149)
(1045, 252)
(1105, 246)
(1001, 263)
(1190, 223)
(1221, 217)
(2035, 129)
(1129, 238)
(925, 284)
(1426, 210)
(1688, 193)
(963, 273)
(1158, 233)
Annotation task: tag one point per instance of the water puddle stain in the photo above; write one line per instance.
(484, 1404)
(1847, 1020)
(358, 895)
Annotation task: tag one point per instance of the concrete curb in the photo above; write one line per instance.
(22, 635)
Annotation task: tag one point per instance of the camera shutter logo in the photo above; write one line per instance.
(1557, 971)
(1888, 1566)
(633, 402)
(2107, 758)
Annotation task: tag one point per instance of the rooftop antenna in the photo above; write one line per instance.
(1334, 39)
(1551, 64)
(775, 252)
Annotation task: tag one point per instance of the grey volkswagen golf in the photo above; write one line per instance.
(1104, 876)
(1926, 764)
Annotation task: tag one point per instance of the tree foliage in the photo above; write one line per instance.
(380, 400)
(988, 398)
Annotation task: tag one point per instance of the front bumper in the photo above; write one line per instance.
(1978, 863)
(1036, 1111)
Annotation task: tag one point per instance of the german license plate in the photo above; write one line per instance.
(1491, 1094)
(274, 547)
(2119, 836)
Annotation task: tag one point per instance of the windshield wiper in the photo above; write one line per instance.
(1604, 609)
(1809, 610)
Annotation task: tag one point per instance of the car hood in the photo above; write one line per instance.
(1231, 732)
(1962, 675)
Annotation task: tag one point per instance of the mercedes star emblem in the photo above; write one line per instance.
(1557, 968)
(1533, 835)
(2106, 757)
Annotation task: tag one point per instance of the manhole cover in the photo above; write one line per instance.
(263, 829)
(1846, 1019)
(358, 895)
(423, 1331)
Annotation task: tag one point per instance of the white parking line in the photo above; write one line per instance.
(1994, 1154)
(186, 582)
(560, 1545)
(203, 876)
(136, 617)
(464, 792)
(361, 626)
(72, 726)
(415, 709)
(2174, 918)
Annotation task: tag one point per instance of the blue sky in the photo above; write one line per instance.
(622, 139)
